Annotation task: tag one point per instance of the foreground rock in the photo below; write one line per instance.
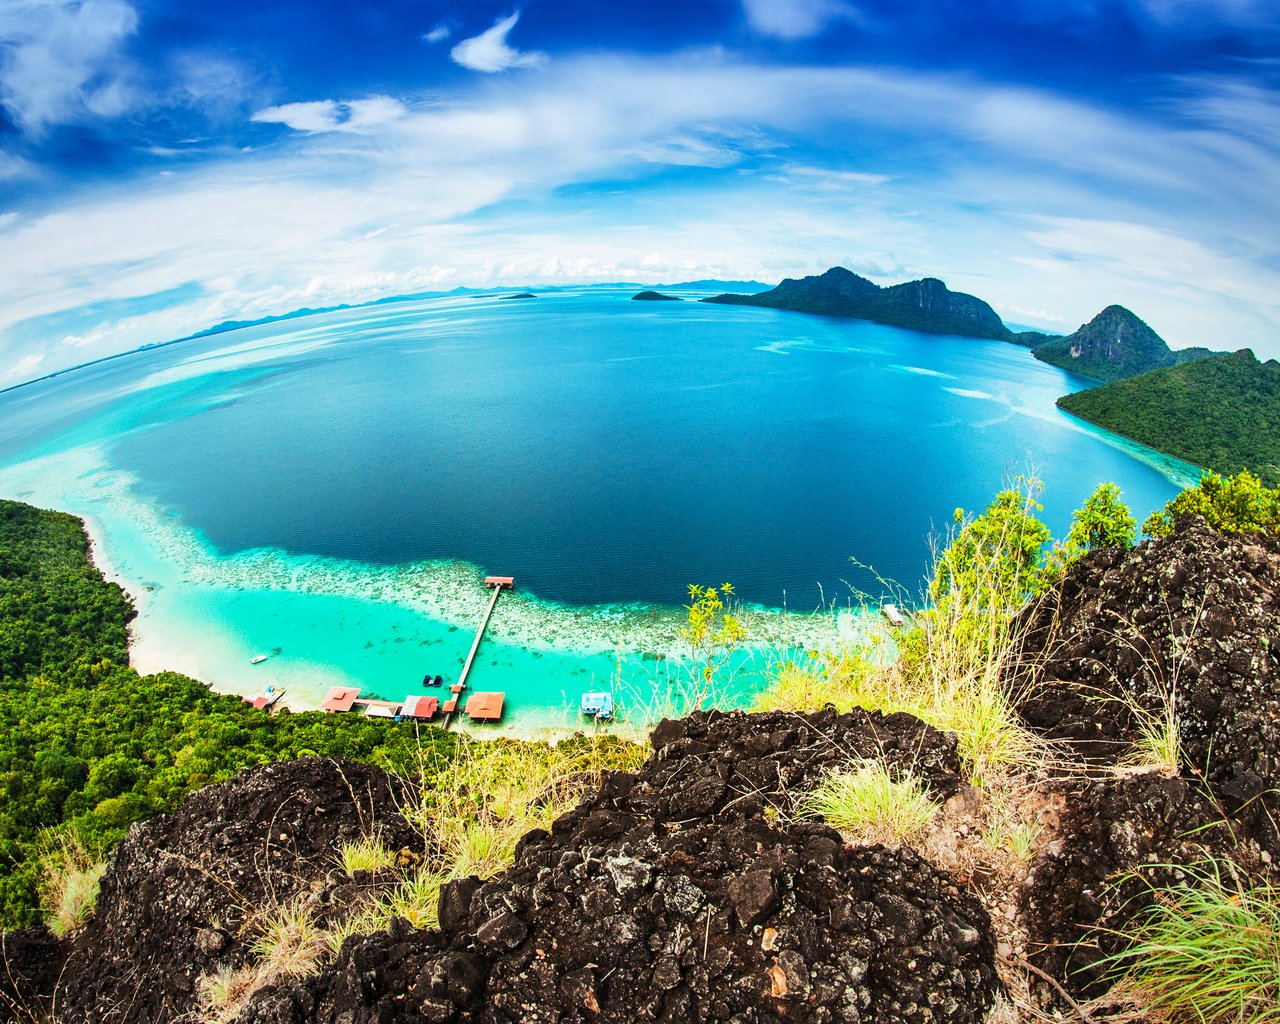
(672, 896)
(1119, 838)
(181, 887)
(1188, 624)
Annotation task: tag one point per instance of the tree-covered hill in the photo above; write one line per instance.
(925, 305)
(1113, 345)
(87, 744)
(1222, 412)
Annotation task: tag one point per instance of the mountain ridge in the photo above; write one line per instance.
(924, 305)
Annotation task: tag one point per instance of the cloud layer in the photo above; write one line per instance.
(609, 164)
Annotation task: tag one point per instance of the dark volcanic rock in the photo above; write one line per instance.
(180, 886)
(30, 961)
(670, 895)
(1193, 618)
(1119, 838)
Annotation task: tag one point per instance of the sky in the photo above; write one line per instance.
(168, 165)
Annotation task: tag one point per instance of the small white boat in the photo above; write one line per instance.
(259, 659)
(892, 614)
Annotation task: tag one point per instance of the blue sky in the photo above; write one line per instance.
(166, 165)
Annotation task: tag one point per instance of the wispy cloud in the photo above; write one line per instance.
(320, 116)
(698, 164)
(61, 60)
(490, 53)
(438, 33)
(797, 19)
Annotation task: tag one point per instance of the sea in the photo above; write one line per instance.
(330, 490)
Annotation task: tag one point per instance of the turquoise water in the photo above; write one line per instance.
(336, 486)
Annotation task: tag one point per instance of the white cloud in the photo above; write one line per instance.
(24, 369)
(490, 53)
(63, 59)
(438, 34)
(796, 19)
(279, 229)
(319, 116)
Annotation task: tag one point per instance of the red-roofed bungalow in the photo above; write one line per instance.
(340, 698)
(506, 582)
(420, 707)
(485, 707)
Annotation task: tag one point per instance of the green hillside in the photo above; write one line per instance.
(1221, 413)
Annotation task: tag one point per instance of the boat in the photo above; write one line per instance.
(598, 706)
(259, 659)
(890, 612)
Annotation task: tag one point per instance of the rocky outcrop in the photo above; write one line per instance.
(181, 887)
(1113, 345)
(1188, 625)
(676, 895)
(925, 305)
(688, 891)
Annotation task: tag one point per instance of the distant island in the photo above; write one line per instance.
(522, 295)
(1114, 345)
(1220, 412)
(1213, 409)
(655, 297)
(925, 305)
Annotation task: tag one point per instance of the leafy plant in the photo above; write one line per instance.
(1235, 504)
(713, 630)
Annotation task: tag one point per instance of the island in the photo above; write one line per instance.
(925, 305)
(1218, 412)
(655, 297)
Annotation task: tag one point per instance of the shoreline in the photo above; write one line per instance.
(643, 639)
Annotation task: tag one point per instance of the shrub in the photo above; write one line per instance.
(1235, 504)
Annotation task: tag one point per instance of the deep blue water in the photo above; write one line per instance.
(596, 448)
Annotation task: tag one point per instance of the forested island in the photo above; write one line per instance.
(1220, 412)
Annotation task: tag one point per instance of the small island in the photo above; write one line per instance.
(655, 297)
(522, 295)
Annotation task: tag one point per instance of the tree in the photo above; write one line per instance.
(1235, 504)
(1103, 521)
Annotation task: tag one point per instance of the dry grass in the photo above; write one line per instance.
(68, 885)
(871, 806)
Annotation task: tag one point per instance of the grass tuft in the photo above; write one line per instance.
(290, 943)
(366, 854)
(1208, 951)
(69, 881)
(868, 802)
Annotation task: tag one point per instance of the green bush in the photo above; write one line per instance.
(1234, 504)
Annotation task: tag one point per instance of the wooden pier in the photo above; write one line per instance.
(498, 585)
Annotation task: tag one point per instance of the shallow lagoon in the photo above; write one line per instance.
(335, 486)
